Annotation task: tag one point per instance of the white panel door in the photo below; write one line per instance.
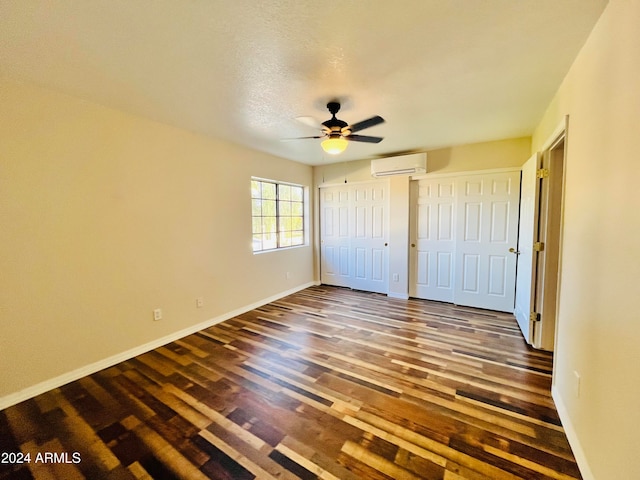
(369, 237)
(353, 236)
(487, 226)
(529, 203)
(335, 228)
(432, 239)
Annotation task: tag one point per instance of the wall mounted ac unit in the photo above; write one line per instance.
(413, 164)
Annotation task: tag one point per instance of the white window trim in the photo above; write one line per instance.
(305, 216)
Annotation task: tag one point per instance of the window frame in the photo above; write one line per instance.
(279, 232)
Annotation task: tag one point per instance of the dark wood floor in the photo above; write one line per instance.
(328, 383)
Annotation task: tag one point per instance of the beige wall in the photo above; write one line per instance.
(599, 324)
(106, 216)
(463, 158)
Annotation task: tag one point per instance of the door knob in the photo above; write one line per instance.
(413, 245)
(513, 250)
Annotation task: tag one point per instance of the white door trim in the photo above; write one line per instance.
(465, 173)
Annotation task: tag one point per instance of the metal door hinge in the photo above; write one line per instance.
(534, 317)
(542, 173)
(538, 247)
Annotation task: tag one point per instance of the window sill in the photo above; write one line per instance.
(281, 249)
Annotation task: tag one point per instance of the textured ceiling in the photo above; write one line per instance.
(441, 72)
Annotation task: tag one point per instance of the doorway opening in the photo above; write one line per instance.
(546, 274)
(539, 242)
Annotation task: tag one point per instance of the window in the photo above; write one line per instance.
(277, 211)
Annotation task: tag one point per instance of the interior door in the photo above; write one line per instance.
(487, 226)
(432, 239)
(335, 230)
(353, 236)
(527, 232)
(369, 237)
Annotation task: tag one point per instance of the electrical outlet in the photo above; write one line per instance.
(199, 302)
(396, 277)
(157, 314)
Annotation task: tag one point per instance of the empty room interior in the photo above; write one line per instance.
(338, 240)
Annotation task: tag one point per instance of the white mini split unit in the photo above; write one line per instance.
(413, 164)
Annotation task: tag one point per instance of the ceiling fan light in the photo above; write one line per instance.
(334, 146)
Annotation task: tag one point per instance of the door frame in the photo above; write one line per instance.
(550, 232)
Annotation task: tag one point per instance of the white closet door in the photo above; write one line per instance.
(432, 240)
(369, 237)
(487, 226)
(335, 229)
(353, 236)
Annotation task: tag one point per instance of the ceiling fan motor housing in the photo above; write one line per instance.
(333, 107)
(335, 125)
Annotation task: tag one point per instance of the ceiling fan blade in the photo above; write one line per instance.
(300, 138)
(370, 122)
(311, 122)
(363, 138)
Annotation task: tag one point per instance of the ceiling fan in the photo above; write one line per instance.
(338, 133)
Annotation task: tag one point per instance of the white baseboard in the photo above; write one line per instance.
(401, 296)
(42, 387)
(572, 436)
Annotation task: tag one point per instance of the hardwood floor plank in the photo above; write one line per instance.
(139, 472)
(326, 383)
(381, 464)
(165, 452)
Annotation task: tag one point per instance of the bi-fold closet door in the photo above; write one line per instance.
(353, 236)
(462, 229)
